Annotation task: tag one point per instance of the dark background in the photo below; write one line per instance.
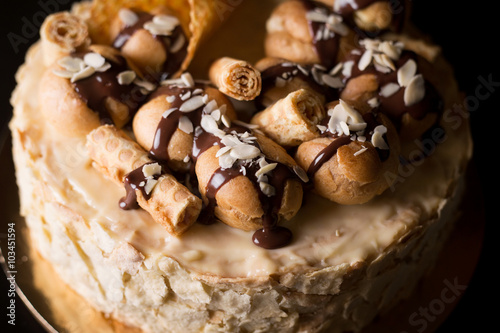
(467, 31)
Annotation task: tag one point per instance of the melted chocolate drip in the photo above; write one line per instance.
(174, 59)
(95, 89)
(329, 151)
(134, 180)
(326, 47)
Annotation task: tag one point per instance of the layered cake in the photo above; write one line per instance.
(178, 184)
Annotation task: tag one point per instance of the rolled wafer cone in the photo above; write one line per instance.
(198, 18)
(60, 34)
(170, 203)
(236, 78)
(292, 119)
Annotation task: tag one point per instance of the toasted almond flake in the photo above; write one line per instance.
(126, 77)
(151, 169)
(373, 102)
(186, 125)
(225, 120)
(150, 184)
(63, 73)
(223, 151)
(157, 29)
(300, 173)
(336, 69)
(389, 89)
(226, 161)
(128, 17)
(244, 151)
(377, 137)
(231, 140)
(407, 72)
(94, 59)
(168, 112)
(187, 79)
(384, 60)
(84, 73)
(104, 67)
(265, 169)
(177, 44)
(186, 95)
(71, 64)
(149, 86)
(347, 68)
(321, 128)
(171, 98)
(197, 91)
(216, 114)
(362, 150)
(415, 91)
(169, 21)
(331, 81)
(186, 159)
(361, 138)
(267, 189)
(192, 104)
(209, 124)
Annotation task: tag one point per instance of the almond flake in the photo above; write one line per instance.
(84, 73)
(150, 184)
(185, 125)
(333, 82)
(177, 44)
(389, 89)
(265, 169)
(244, 152)
(168, 112)
(63, 73)
(225, 120)
(71, 64)
(171, 98)
(94, 60)
(223, 151)
(128, 17)
(407, 72)
(192, 104)
(151, 169)
(267, 189)
(377, 137)
(126, 77)
(187, 79)
(415, 91)
(362, 150)
(301, 173)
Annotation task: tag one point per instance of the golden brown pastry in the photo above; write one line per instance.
(61, 34)
(166, 124)
(236, 78)
(385, 75)
(89, 88)
(307, 32)
(354, 158)
(122, 160)
(292, 119)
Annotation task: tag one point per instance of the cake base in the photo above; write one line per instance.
(59, 309)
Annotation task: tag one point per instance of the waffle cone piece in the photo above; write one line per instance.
(170, 203)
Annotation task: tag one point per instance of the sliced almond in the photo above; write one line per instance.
(407, 72)
(415, 91)
(186, 125)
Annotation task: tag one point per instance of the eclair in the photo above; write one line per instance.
(351, 160)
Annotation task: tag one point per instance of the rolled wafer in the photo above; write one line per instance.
(170, 203)
(236, 78)
(60, 34)
(292, 119)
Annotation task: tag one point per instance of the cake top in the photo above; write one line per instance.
(330, 110)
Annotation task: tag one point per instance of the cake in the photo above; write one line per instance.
(180, 184)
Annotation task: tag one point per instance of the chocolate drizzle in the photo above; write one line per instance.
(327, 46)
(175, 58)
(394, 106)
(135, 180)
(338, 141)
(95, 89)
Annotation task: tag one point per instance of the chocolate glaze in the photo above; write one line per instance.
(174, 59)
(326, 48)
(346, 10)
(271, 235)
(132, 183)
(94, 90)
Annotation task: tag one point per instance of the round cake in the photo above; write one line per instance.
(301, 180)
